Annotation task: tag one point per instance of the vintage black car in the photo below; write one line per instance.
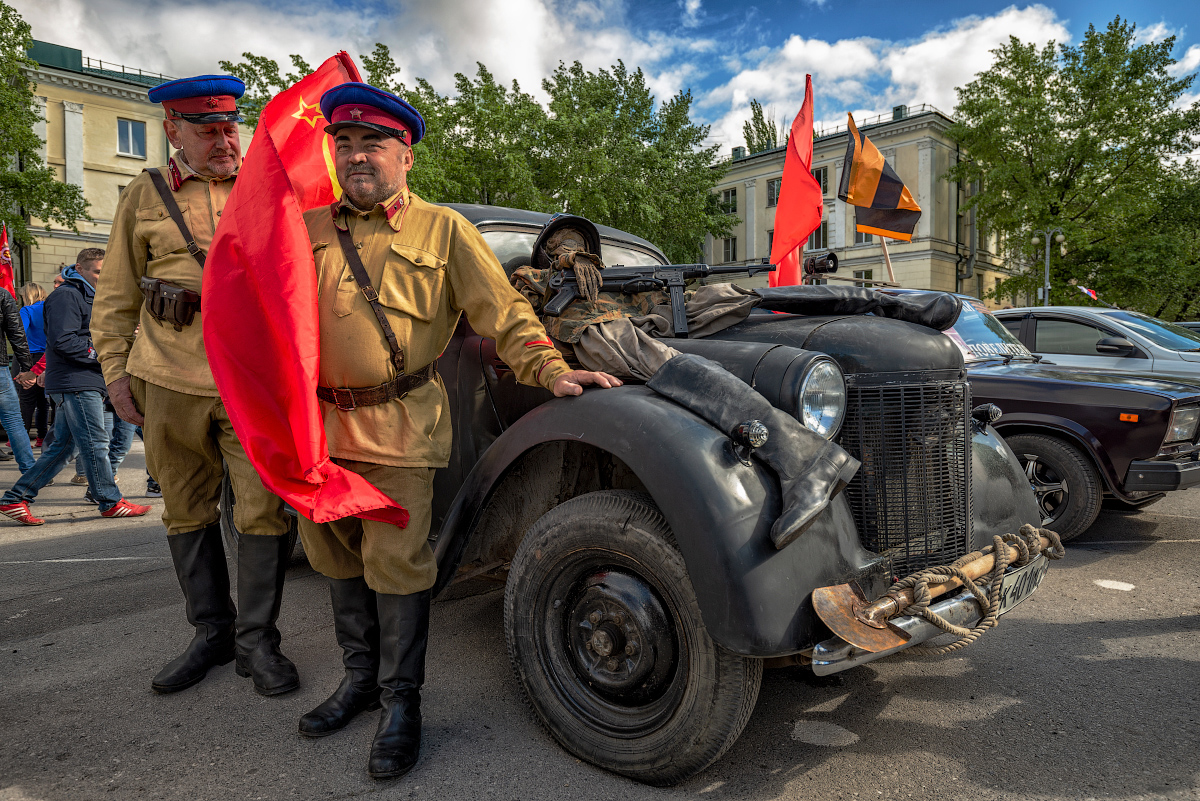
(1081, 435)
(643, 594)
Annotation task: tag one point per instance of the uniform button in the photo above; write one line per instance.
(218, 214)
(358, 245)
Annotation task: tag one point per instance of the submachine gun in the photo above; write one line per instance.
(632, 280)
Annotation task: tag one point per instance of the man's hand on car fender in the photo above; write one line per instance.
(121, 398)
(573, 382)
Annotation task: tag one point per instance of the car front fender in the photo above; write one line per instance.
(755, 600)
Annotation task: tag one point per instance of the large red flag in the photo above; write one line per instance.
(800, 206)
(260, 308)
(6, 270)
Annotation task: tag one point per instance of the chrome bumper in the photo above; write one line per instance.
(835, 654)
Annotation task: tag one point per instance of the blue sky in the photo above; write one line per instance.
(865, 56)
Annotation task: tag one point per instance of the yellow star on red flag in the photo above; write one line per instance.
(309, 113)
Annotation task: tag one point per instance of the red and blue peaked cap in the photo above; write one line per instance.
(203, 99)
(364, 106)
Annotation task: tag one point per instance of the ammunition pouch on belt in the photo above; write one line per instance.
(347, 398)
(168, 303)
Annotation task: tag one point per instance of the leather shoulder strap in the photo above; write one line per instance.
(364, 283)
(168, 198)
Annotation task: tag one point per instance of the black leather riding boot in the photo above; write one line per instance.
(403, 635)
(262, 562)
(356, 623)
(811, 469)
(199, 558)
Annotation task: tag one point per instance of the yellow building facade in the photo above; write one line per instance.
(100, 131)
(947, 252)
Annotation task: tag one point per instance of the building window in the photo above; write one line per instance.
(819, 239)
(131, 138)
(822, 176)
(730, 249)
(773, 191)
(863, 239)
(770, 240)
(729, 200)
(865, 275)
(120, 192)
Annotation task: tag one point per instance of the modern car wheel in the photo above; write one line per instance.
(1067, 486)
(232, 535)
(606, 638)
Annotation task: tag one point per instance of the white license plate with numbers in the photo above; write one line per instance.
(1019, 584)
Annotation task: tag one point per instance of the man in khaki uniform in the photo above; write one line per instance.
(394, 275)
(161, 380)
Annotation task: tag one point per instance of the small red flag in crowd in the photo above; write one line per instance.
(6, 267)
(1091, 293)
(800, 206)
(260, 308)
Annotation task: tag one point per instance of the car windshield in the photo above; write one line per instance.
(979, 335)
(513, 248)
(1164, 334)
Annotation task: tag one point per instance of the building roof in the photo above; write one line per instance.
(54, 56)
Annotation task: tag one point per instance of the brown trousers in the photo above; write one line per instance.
(189, 443)
(394, 561)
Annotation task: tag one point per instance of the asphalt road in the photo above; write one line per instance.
(1084, 691)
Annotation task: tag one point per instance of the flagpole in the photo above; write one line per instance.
(887, 260)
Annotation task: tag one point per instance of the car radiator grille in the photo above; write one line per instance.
(912, 497)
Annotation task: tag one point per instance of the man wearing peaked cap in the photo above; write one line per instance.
(395, 274)
(161, 380)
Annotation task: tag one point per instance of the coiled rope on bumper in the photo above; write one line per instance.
(985, 589)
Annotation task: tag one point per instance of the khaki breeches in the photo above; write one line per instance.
(394, 561)
(189, 443)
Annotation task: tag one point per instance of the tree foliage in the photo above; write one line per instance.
(1092, 139)
(760, 130)
(28, 187)
(263, 81)
(600, 147)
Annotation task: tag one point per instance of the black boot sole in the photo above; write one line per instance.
(318, 734)
(164, 689)
(246, 674)
(396, 774)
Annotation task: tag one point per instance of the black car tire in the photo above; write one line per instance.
(600, 575)
(1071, 510)
(230, 533)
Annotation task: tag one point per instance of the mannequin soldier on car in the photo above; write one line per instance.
(161, 380)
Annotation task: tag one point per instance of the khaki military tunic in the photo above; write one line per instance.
(429, 266)
(145, 241)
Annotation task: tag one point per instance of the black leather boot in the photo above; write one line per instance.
(262, 562)
(403, 635)
(199, 558)
(356, 623)
(811, 469)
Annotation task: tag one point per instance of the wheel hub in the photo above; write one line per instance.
(1050, 491)
(620, 639)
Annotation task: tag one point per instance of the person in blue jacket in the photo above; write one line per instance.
(35, 410)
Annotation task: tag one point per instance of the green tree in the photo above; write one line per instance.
(28, 187)
(1084, 138)
(760, 130)
(263, 81)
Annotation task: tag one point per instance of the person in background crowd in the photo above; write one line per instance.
(35, 409)
(75, 383)
(10, 405)
(161, 380)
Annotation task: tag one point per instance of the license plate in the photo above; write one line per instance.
(1019, 584)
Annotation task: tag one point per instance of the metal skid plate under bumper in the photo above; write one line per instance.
(835, 654)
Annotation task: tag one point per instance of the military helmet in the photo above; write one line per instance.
(541, 257)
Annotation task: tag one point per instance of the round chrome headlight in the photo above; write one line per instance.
(823, 398)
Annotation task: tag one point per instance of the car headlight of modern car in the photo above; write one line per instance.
(823, 398)
(1183, 424)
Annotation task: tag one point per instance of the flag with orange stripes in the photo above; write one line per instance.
(884, 206)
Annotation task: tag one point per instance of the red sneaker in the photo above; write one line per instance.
(123, 509)
(20, 512)
(38, 443)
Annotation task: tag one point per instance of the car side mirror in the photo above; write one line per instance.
(1116, 346)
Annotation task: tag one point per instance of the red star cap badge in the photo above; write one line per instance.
(356, 113)
(212, 102)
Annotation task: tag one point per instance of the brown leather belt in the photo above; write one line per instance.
(348, 398)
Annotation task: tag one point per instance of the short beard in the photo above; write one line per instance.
(369, 200)
(222, 171)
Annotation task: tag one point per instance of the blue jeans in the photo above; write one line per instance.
(79, 422)
(120, 440)
(10, 418)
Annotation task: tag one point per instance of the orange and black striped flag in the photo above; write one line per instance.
(884, 206)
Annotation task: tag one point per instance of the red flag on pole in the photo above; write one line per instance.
(800, 206)
(6, 267)
(260, 308)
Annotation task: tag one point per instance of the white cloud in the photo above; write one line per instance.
(869, 76)
(1189, 63)
(1154, 33)
(691, 12)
